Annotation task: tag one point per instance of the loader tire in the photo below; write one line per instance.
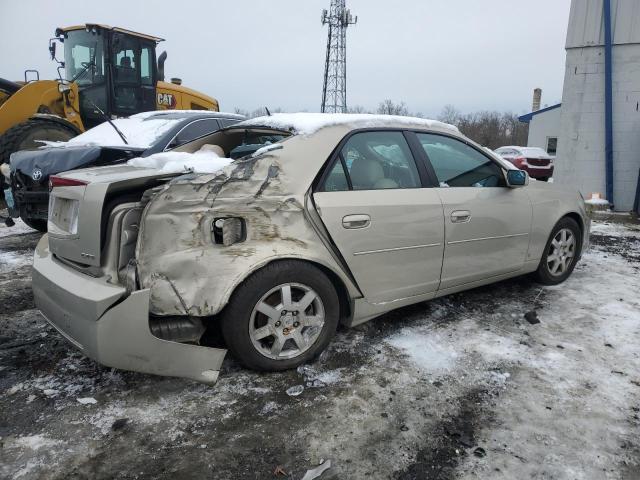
(24, 135)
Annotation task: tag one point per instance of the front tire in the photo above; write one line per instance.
(25, 136)
(282, 316)
(561, 253)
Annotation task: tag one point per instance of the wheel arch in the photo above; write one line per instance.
(581, 225)
(346, 305)
(56, 119)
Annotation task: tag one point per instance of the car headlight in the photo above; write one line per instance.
(228, 231)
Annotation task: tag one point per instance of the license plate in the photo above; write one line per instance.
(8, 197)
(63, 212)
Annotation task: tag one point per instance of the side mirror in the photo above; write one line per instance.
(517, 178)
(52, 49)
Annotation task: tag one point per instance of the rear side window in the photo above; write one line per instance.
(225, 122)
(374, 161)
(194, 130)
(456, 164)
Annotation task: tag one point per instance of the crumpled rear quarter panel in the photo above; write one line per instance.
(178, 260)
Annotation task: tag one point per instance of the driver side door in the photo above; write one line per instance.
(487, 224)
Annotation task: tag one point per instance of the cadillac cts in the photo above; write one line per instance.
(345, 218)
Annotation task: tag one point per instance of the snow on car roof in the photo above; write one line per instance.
(309, 123)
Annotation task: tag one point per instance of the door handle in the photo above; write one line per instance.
(460, 216)
(356, 221)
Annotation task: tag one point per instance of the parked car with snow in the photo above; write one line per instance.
(109, 143)
(535, 161)
(345, 218)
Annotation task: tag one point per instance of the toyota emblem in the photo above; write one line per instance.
(37, 174)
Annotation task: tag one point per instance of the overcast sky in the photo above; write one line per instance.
(474, 54)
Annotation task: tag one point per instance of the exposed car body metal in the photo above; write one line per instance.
(180, 270)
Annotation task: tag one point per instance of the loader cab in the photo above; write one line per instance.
(115, 70)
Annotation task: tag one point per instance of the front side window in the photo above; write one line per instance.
(374, 161)
(456, 164)
(84, 57)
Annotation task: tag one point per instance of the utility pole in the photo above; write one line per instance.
(334, 89)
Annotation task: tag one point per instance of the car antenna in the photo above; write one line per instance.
(106, 117)
(268, 112)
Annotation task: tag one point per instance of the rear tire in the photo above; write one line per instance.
(290, 332)
(35, 223)
(561, 253)
(24, 135)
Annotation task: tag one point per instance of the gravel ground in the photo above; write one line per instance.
(460, 387)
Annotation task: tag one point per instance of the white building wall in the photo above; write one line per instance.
(587, 29)
(542, 126)
(581, 147)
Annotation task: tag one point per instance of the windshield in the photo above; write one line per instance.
(139, 132)
(84, 57)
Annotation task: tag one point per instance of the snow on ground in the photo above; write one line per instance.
(19, 228)
(309, 123)
(459, 387)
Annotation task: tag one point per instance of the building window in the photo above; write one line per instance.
(552, 145)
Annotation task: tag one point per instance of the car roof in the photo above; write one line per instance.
(310, 123)
(187, 115)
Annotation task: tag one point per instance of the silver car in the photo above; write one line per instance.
(345, 218)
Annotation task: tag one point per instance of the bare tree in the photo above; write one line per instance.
(387, 107)
(258, 112)
(357, 109)
(490, 129)
(450, 115)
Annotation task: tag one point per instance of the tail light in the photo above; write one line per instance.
(55, 181)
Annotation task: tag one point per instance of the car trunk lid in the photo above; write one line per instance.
(79, 208)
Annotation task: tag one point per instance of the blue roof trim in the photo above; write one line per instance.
(529, 116)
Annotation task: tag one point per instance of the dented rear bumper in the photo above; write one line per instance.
(110, 325)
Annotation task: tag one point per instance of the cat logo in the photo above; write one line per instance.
(166, 100)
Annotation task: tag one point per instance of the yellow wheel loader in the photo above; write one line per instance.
(105, 73)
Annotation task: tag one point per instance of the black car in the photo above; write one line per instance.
(145, 134)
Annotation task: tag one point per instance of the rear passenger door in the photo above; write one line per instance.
(487, 224)
(386, 223)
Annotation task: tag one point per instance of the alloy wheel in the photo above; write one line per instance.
(562, 252)
(286, 321)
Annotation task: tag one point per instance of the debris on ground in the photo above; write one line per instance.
(532, 317)
(119, 424)
(479, 452)
(279, 471)
(87, 401)
(295, 390)
(316, 472)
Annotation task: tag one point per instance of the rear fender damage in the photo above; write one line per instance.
(178, 260)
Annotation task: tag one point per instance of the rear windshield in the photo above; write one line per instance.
(140, 132)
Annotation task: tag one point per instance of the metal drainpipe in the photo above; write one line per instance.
(608, 100)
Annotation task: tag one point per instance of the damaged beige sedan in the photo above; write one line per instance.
(336, 219)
